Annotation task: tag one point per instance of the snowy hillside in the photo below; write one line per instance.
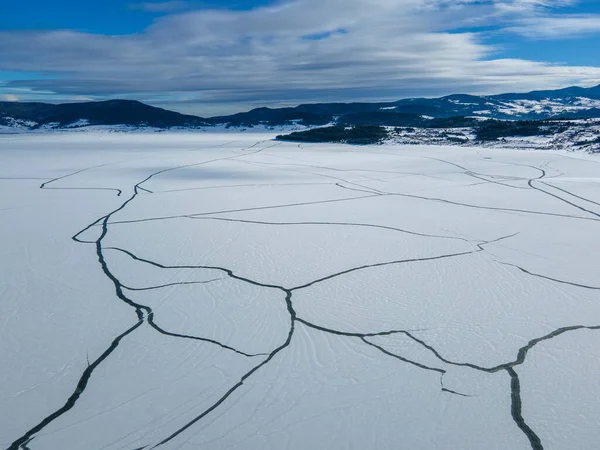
(571, 103)
(581, 135)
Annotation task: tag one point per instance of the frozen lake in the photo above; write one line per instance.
(226, 291)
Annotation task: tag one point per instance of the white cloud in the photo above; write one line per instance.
(557, 27)
(524, 6)
(388, 49)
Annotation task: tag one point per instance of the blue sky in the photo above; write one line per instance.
(102, 17)
(219, 56)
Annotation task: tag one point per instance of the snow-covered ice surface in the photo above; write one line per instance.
(226, 291)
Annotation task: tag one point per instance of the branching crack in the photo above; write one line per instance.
(145, 314)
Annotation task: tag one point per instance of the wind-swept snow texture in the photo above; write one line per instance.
(206, 291)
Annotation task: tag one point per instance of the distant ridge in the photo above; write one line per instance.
(572, 102)
(110, 112)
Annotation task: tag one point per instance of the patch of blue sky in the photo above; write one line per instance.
(115, 17)
(581, 7)
(580, 51)
(324, 35)
(571, 50)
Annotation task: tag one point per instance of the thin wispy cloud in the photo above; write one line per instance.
(558, 27)
(162, 7)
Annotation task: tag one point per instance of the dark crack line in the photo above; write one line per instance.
(374, 191)
(279, 349)
(483, 176)
(153, 324)
(230, 186)
(524, 350)
(516, 402)
(149, 314)
(543, 175)
(81, 385)
(542, 172)
(253, 145)
(450, 391)
(517, 411)
(352, 171)
(136, 189)
(119, 191)
(491, 208)
(139, 309)
(258, 208)
(548, 278)
(43, 185)
(474, 175)
(442, 372)
(345, 333)
(352, 334)
(289, 205)
(515, 384)
(348, 224)
(196, 338)
(307, 172)
(469, 172)
(521, 355)
(570, 193)
(416, 364)
(79, 233)
(183, 283)
(363, 337)
(563, 200)
(222, 269)
(503, 238)
(241, 153)
(117, 284)
(244, 377)
(389, 263)
(145, 190)
(312, 166)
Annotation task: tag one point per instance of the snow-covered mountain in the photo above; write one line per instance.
(572, 103)
(560, 119)
(34, 116)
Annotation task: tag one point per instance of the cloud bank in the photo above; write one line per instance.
(302, 50)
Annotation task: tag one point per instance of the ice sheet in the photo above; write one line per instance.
(228, 291)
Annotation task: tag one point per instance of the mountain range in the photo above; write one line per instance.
(444, 112)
